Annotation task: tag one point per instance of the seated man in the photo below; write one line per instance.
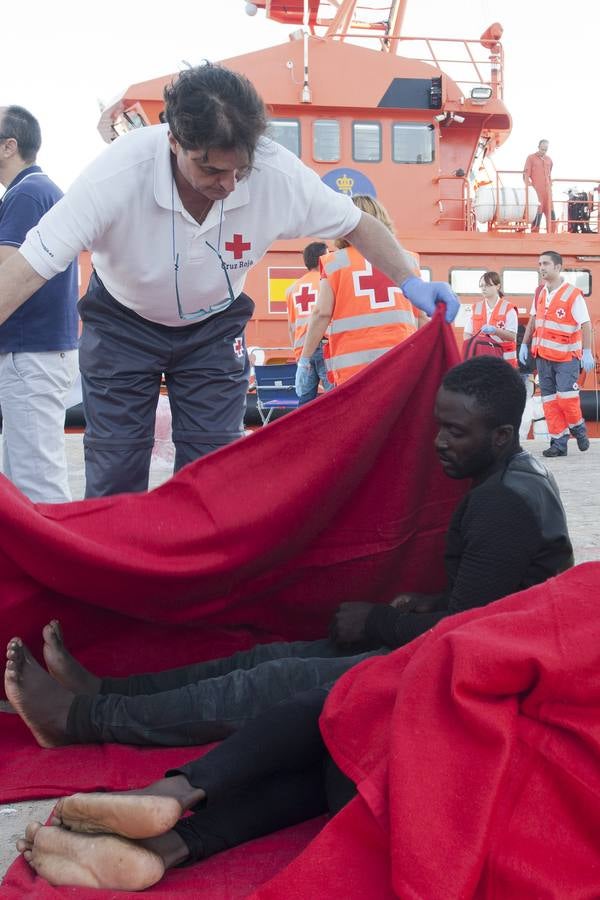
(508, 533)
(490, 720)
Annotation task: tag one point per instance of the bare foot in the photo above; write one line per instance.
(40, 701)
(95, 861)
(130, 814)
(64, 667)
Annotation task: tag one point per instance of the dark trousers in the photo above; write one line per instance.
(205, 701)
(122, 358)
(273, 773)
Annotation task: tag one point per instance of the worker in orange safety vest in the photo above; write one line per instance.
(366, 313)
(562, 337)
(301, 299)
(538, 172)
(495, 317)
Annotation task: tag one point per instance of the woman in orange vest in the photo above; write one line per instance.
(495, 317)
(366, 313)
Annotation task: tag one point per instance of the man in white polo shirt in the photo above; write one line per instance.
(175, 215)
(562, 339)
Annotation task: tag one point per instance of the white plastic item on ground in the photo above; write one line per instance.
(540, 427)
(511, 204)
(528, 412)
(163, 452)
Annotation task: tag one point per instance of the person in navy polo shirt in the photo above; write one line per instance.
(38, 355)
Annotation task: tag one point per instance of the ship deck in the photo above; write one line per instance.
(578, 476)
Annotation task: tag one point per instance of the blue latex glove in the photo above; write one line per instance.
(302, 383)
(425, 295)
(587, 361)
(523, 354)
(488, 329)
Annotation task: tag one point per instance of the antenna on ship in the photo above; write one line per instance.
(306, 93)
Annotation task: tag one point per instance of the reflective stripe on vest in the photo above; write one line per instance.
(373, 320)
(358, 358)
(547, 336)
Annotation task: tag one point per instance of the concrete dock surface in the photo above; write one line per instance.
(578, 476)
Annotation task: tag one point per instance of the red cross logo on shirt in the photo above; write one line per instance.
(305, 299)
(238, 347)
(560, 312)
(376, 286)
(237, 246)
(500, 323)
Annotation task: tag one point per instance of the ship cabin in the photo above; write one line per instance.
(414, 121)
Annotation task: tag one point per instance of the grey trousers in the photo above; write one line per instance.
(206, 701)
(122, 358)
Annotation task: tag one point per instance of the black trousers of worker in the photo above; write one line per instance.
(273, 773)
(122, 358)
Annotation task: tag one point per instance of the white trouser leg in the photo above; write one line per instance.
(33, 390)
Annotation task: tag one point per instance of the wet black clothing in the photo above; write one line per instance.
(507, 534)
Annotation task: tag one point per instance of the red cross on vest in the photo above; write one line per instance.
(305, 298)
(238, 347)
(375, 285)
(237, 246)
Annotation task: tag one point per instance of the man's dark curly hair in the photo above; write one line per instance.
(210, 107)
(496, 386)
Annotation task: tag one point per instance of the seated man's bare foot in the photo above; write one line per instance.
(131, 814)
(40, 701)
(96, 861)
(64, 667)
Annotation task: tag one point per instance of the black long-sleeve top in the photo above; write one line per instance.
(507, 534)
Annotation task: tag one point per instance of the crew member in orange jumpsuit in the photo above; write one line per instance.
(538, 172)
(366, 313)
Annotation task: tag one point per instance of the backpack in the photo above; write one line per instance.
(481, 345)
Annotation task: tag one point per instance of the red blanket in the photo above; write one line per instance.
(341, 500)
(476, 749)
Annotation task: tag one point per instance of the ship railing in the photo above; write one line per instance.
(455, 206)
(461, 59)
(564, 221)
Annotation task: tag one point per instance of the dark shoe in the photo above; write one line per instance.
(553, 450)
(583, 442)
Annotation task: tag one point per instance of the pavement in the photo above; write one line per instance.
(578, 477)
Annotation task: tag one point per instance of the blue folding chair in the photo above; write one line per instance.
(275, 389)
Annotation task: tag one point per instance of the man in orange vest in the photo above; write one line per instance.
(562, 338)
(366, 313)
(538, 172)
(301, 299)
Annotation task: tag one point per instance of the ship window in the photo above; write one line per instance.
(326, 140)
(581, 278)
(366, 141)
(466, 281)
(520, 281)
(287, 133)
(412, 142)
